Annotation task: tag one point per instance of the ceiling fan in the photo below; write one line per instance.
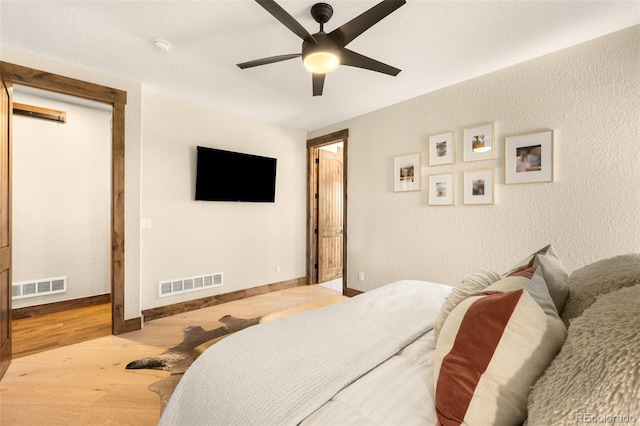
(322, 52)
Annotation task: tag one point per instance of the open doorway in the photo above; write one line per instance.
(61, 219)
(327, 211)
(15, 74)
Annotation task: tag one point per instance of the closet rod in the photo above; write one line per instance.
(39, 112)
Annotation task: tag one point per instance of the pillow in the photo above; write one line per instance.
(469, 285)
(597, 372)
(492, 349)
(598, 278)
(553, 272)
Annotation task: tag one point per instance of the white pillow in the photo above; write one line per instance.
(469, 285)
(492, 349)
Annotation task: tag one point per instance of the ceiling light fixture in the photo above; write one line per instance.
(319, 52)
(320, 57)
(321, 62)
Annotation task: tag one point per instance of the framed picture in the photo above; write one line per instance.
(442, 149)
(441, 190)
(478, 143)
(407, 173)
(529, 158)
(478, 186)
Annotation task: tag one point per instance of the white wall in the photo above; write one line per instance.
(244, 241)
(590, 96)
(62, 199)
(133, 144)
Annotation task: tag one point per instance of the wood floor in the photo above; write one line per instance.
(87, 384)
(45, 332)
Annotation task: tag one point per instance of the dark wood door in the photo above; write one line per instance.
(5, 229)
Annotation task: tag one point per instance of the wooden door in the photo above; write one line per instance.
(330, 226)
(5, 229)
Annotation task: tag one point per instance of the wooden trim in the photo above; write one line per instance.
(351, 292)
(39, 112)
(133, 324)
(60, 84)
(18, 74)
(55, 307)
(328, 139)
(312, 247)
(192, 305)
(117, 220)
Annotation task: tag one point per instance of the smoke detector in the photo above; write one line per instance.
(162, 45)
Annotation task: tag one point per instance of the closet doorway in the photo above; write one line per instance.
(13, 74)
(327, 211)
(61, 181)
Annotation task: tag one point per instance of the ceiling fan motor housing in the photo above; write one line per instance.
(321, 12)
(323, 44)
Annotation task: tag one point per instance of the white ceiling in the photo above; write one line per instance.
(435, 43)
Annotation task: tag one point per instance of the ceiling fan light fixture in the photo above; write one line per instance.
(321, 62)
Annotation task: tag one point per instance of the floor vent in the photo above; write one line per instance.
(42, 287)
(185, 285)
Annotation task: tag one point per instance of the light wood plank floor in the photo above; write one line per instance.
(87, 384)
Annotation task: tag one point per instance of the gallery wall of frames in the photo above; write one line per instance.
(528, 158)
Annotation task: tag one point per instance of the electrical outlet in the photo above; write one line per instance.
(360, 276)
(278, 270)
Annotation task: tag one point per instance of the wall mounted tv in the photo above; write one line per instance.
(234, 176)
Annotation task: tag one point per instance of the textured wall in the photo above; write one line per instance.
(62, 199)
(133, 142)
(589, 94)
(245, 241)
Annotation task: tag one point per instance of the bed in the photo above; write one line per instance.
(486, 351)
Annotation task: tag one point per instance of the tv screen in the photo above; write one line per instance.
(233, 176)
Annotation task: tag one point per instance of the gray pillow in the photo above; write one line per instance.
(597, 278)
(597, 372)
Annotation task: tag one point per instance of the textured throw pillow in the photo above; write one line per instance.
(598, 278)
(553, 272)
(469, 285)
(492, 349)
(596, 376)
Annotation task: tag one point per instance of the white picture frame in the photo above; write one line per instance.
(441, 189)
(528, 158)
(442, 149)
(479, 186)
(407, 172)
(482, 139)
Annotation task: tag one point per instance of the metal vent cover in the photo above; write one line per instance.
(186, 285)
(41, 287)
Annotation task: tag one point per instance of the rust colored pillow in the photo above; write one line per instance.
(492, 349)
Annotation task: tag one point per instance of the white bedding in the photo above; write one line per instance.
(282, 371)
(397, 392)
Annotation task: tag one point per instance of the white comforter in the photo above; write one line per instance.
(282, 371)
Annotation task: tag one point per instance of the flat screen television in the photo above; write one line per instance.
(234, 176)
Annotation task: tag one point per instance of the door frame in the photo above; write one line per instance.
(25, 76)
(312, 213)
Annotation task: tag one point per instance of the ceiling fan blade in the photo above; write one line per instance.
(318, 84)
(269, 60)
(352, 29)
(283, 16)
(353, 59)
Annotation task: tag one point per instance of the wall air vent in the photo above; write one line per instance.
(42, 287)
(186, 285)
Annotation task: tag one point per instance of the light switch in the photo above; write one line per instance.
(145, 223)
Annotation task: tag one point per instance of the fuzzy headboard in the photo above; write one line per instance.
(596, 376)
